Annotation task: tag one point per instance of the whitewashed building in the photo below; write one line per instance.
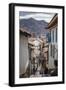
(53, 44)
(23, 51)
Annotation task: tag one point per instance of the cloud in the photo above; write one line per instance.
(38, 16)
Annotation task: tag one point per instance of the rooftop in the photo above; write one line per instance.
(25, 32)
(53, 22)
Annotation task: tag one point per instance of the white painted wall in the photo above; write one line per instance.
(51, 59)
(53, 30)
(24, 57)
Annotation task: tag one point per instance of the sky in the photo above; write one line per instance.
(36, 15)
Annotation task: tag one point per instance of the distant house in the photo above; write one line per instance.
(45, 47)
(53, 44)
(34, 52)
(23, 50)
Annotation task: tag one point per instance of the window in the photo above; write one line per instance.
(53, 35)
(51, 49)
(56, 34)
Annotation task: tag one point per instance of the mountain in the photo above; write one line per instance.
(35, 26)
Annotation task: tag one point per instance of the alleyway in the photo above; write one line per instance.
(38, 74)
(37, 56)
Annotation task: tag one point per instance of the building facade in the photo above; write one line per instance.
(53, 44)
(23, 51)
